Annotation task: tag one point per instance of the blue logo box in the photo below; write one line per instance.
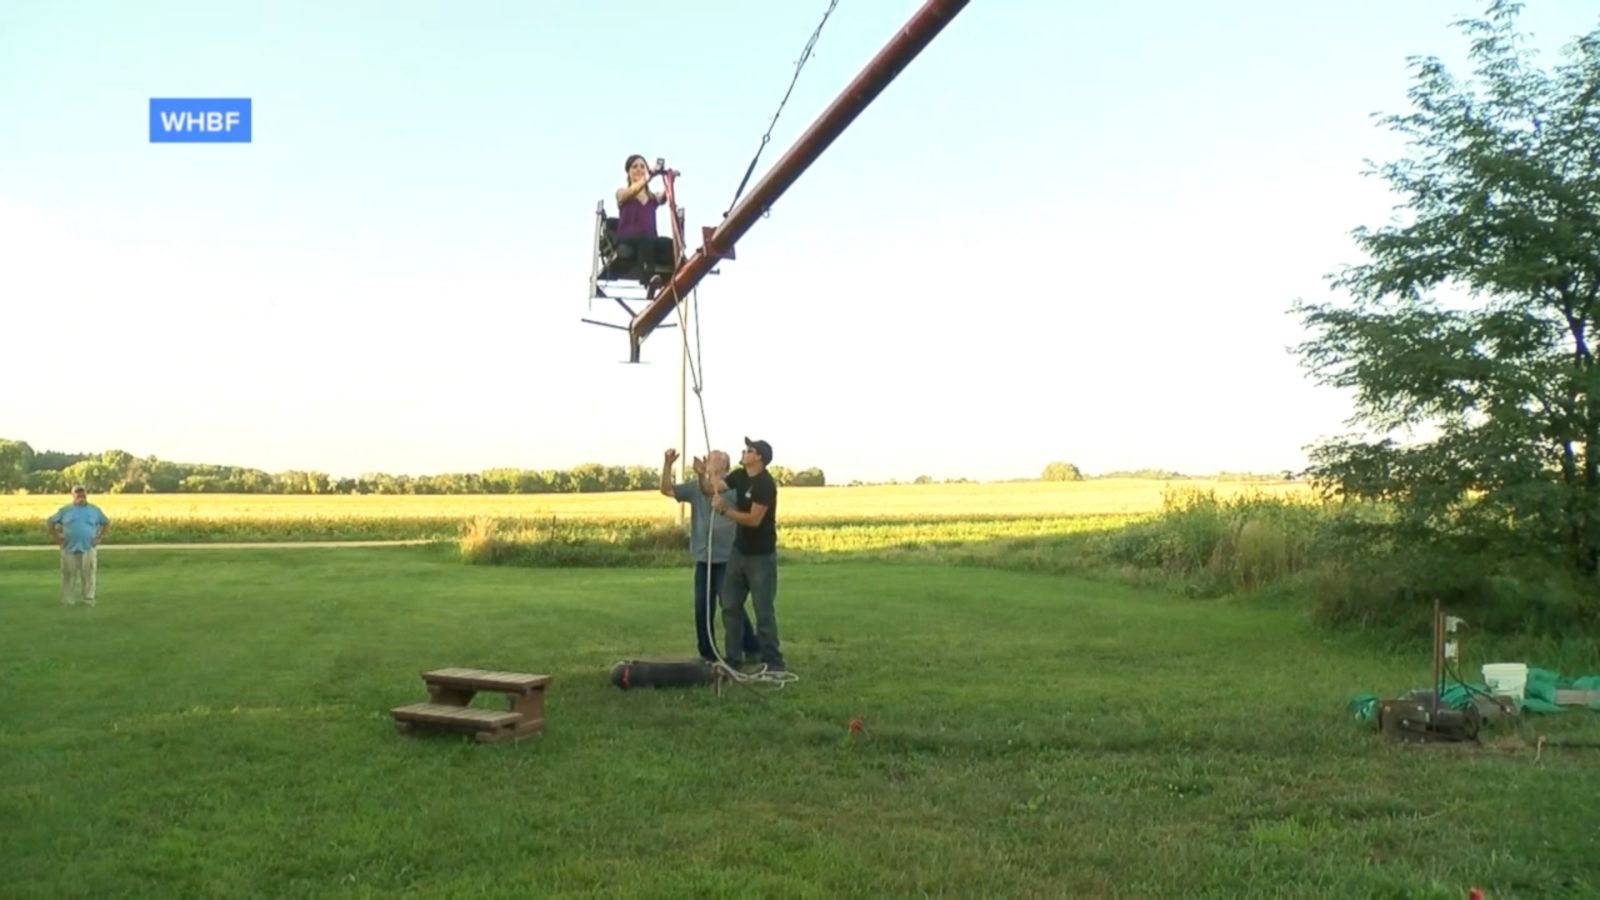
(175, 120)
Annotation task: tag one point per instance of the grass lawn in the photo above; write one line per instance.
(218, 727)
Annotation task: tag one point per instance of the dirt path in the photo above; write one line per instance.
(257, 545)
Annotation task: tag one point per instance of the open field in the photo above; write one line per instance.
(195, 517)
(218, 727)
(925, 501)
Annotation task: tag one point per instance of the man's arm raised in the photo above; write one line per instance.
(670, 457)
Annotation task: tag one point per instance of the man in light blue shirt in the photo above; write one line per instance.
(705, 525)
(77, 529)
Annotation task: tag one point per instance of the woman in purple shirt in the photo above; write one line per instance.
(636, 221)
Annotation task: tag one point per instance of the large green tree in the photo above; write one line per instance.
(1061, 471)
(16, 460)
(1468, 335)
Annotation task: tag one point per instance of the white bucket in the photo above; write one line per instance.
(1506, 679)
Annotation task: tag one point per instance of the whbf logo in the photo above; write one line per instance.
(199, 120)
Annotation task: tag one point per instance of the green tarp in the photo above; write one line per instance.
(1538, 696)
(1543, 684)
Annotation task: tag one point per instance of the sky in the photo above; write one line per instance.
(1067, 231)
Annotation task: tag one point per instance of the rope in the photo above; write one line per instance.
(694, 362)
(804, 55)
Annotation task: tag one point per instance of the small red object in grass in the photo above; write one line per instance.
(856, 727)
(1475, 894)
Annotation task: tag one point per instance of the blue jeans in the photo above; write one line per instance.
(705, 612)
(756, 576)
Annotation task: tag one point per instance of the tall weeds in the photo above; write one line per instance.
(1222, 545)
(1352, 564)
(558, 542)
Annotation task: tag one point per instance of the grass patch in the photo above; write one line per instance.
(218, 727)
(645, 542)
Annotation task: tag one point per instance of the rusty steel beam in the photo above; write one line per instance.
(718, 243)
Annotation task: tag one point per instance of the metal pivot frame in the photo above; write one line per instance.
(594, 262)
(596, 291)
(718, 243)
(677, 216)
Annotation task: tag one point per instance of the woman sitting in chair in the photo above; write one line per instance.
(636, 222)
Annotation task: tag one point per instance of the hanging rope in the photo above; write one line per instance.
(804, 55)
(694, 363)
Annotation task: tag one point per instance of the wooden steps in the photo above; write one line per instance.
(486, 724)
(450, 693)
(484, 680)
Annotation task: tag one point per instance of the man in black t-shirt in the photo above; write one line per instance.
(753, 565)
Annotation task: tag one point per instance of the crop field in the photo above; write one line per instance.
(157, 518)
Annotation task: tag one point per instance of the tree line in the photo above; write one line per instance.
(120, 472)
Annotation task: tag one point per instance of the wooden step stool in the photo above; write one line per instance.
(451, 690)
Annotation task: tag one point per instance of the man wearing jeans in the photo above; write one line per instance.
(708, 573)
(753, 565)
(77, 529)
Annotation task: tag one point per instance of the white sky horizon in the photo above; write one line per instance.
(1061, 234)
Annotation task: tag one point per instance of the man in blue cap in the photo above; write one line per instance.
(77, 529)
(753, 565)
